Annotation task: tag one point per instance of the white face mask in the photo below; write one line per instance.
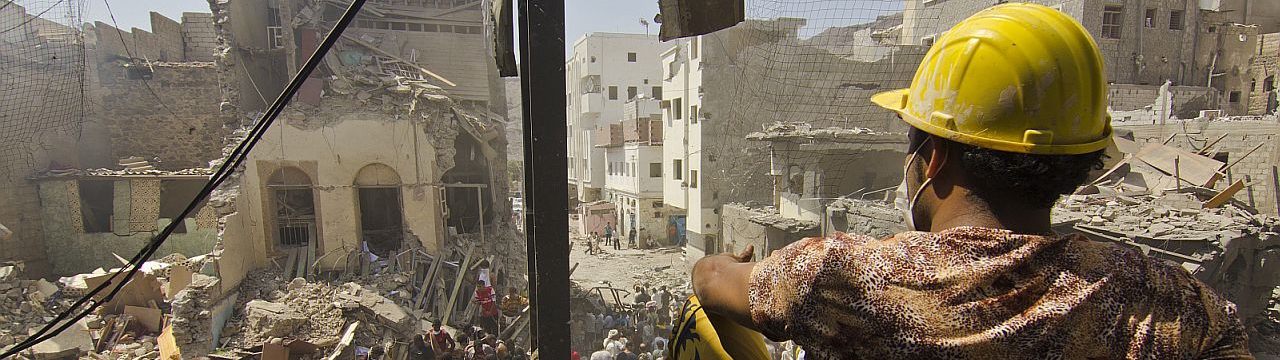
(901, 201)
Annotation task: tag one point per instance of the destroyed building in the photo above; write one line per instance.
(711, 105)
(42, 109)
(812, 168)
(1206, 44)
(391, 160)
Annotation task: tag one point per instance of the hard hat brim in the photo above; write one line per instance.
(893, 100)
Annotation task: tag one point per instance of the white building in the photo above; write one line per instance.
(634, 170)
(604, 71)
(682, 146)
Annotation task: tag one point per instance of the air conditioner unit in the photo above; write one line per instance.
(665, 104)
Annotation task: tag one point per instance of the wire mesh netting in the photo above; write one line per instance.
(797, 130)
(42, 91)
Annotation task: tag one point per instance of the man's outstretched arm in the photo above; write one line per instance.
(721, 283)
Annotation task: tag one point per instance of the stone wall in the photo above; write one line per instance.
(1187, 100)
(743, 226)
(1266, 65)
(874, 219)
(136, 217)
(1142, 55)
(169, 38)
(199, 36)
(171, 119)
(1258, 170)
(191, 40)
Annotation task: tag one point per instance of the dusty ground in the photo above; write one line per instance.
(627, 267)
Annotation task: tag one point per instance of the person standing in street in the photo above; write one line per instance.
(608, 237)
(631, 238)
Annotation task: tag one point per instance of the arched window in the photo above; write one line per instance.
(293, 206)
(380, 208)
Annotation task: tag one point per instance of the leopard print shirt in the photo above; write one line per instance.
(978, 293)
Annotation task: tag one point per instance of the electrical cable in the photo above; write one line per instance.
(233, 160)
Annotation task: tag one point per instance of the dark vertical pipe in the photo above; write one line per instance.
(542, 77)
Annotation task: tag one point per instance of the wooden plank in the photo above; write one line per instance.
(457, 285)
(1224, 196)
(274, 352)
(168, 345)
(428, 281)
(291, 264)
(179, 278)
(347, 336)
(311, 259)
(1196, 169)
(300, 270)
(396, 57)
(150, 318)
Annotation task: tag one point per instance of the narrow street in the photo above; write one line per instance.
(626, 268)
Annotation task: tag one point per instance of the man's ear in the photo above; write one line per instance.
(939, 153)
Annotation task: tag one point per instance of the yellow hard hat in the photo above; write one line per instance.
(704, 336)
(1016, 77)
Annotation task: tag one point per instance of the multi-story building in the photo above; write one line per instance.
(711, 103)
(633, 150)
(1184, 42)
(605, 71)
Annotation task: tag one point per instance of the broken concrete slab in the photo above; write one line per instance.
(272, 319)
(68, 343)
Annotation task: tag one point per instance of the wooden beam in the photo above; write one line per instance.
(347, 336)
(427, 281)
(414, 65)
(457, 285)
(1224, 196)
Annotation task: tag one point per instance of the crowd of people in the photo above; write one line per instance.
(635, 331)
(477, 340)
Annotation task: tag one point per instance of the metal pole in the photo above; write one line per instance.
(542, 82)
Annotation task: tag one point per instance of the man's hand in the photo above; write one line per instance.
(722, 282)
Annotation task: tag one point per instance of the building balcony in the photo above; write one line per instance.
(592, 103)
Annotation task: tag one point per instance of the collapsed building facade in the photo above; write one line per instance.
(390, 160)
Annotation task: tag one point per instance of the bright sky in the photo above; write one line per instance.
(582, 16)
(137, 13)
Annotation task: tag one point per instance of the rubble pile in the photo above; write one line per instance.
(24, 305)
(314, 312)
(1171, 216)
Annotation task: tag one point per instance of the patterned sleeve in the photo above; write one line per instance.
(791, 290)
(1231, 340)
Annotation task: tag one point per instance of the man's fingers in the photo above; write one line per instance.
(746, 254)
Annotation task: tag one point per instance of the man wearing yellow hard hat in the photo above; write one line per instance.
(1007, 113)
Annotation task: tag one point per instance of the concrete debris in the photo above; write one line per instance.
(54, 173)
(769, 216)
(25, 305)
(801, 130)
(1159, 200)
(265, 318)
(317, 312)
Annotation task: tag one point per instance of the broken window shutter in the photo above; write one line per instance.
(684, 18)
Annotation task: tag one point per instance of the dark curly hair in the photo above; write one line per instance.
(1038, 180)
